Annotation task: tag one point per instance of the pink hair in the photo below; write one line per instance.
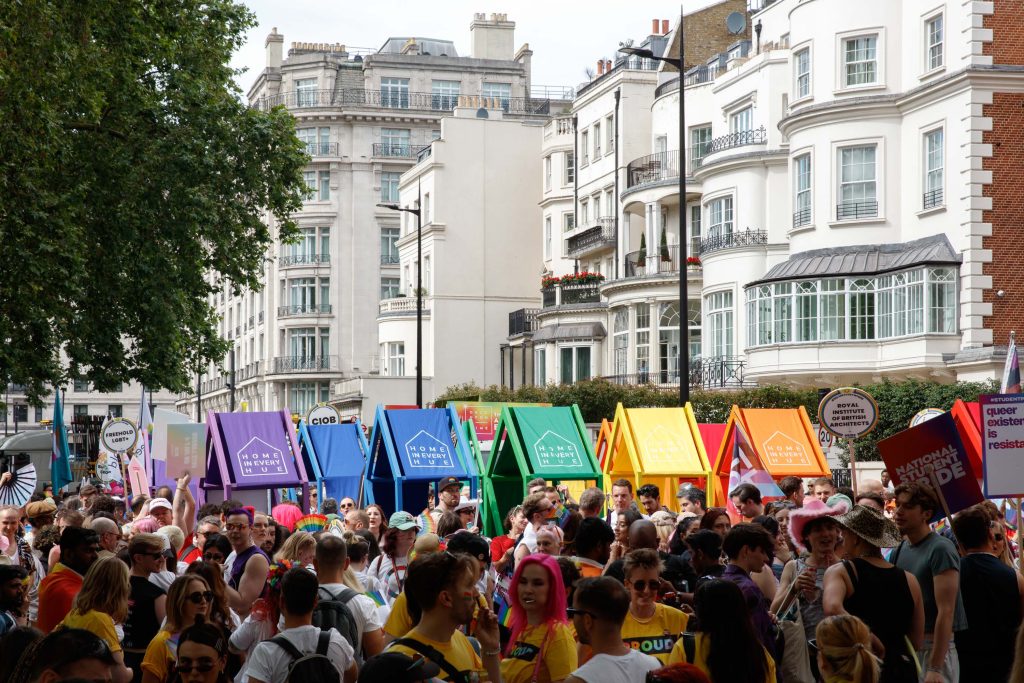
(554, 610)
(286, 515)
(146, 525)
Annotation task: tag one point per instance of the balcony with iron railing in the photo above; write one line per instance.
(522, 321)
(565, 294)
(732, 240)
(322, 149)
(303, 260)
(802, 217)
(302, 309)
(721, 372)
(360, 98)
(653, 168)
(851, 211)
(664, 261)
(395, 150)
(424, 153)
(741, 138)
(628, 62)
(598, 237)
(305, 363)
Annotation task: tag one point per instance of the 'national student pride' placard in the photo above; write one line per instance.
(933, 452)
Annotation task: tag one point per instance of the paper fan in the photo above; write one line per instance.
(311, 523)
(19, 489)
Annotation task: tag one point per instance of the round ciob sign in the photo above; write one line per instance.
(322, 415)
(848, 413)
(925, 415)
(119, 435)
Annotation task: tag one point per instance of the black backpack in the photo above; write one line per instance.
(309, 668)
(332, 611)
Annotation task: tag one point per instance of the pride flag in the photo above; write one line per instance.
(747, 469)
(1011, 371)
(377, 598)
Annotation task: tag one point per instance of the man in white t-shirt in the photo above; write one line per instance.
(269, 662)
(330, 562)
(599, 607)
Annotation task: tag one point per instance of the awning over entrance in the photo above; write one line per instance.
(556, 333)
(865, 259)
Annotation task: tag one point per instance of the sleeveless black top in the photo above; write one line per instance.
(992, 602)
(882, 600)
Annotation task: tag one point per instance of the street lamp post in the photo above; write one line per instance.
(419, 288)
(684, 331)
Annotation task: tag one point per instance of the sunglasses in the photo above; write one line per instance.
(202, 666)
(640, 586)
(210, 557)
(200, 596)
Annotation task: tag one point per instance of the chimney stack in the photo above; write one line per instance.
(600, 67)
(608, 66)
(664, 27)
(274, 46)
(654, 27)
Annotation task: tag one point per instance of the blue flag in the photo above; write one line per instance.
(60, 463)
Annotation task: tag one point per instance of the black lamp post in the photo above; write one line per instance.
(684, 307)
(419, 290)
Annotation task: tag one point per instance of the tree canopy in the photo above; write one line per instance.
(134, 182)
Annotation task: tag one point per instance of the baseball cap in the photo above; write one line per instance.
(398, 667)
(448, 481)
(159, 503)
(403, 521)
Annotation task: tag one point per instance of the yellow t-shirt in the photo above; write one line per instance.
(701, 648)
(98, 623)
(657, 635)
(458, 652)
(161, 655)
(400, 621)
(557, 647)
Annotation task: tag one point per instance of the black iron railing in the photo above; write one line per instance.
(388, 259)
(522, 321)
(631, 62)
(652, 168)
(305, 363)
(393, 149)
(933, 199)
(304, 260)
(729, 240)
(855, 210)
(721, 372)
(399, 99)
(579, 294)
(656, 262)
(322, 149)
(424, 153)
(755, 136)
(802, 217)
(586, 293)
(302, 309)
(705, 73)
(601, 235)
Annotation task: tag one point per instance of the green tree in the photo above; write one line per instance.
(663, 247)
(641, 258)
(134, 183)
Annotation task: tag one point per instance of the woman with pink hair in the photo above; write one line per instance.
(286, 514)
(542, 646)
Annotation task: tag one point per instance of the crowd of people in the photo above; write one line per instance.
(826, 585)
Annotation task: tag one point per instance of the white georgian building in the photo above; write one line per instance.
(842, 169)
(364, 115)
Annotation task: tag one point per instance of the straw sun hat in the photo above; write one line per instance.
(870, 525)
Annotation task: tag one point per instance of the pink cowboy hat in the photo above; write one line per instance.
(813, 509)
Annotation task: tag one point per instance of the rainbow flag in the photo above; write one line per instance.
(505, 614)
(564, 514)
(377, 598)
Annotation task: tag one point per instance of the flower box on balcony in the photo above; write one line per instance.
(583, 278)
